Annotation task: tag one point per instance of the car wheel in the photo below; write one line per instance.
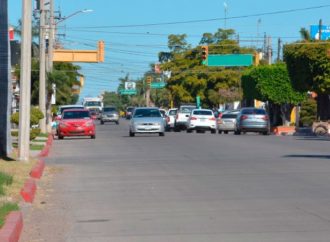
(92, 136)
(117, 122)
(213, 131)
(176, 129)
(102, 122)
(225, 132)
(237, 132)
(189, 131)
(60, 137)
(219, 131)
(265, 132)
(131, 134)
(162, 134)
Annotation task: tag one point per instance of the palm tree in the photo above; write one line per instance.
(305, 35)
(5, 82)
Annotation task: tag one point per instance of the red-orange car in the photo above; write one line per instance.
(76, 122)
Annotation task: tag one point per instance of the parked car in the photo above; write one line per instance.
(109, 114)
(227, 122)
(76, 122)
(182, 117)
(170, 118)
(252, 120)
(202, 120)
(129, 112)
(163, 113)
(147, 120)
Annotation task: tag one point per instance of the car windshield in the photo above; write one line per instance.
(72, 107)
(186, 109)
(202, 112)
(75, 115)
(229, 116)
(93, 103)
(172, 112)
(147, 113)
(254, 111)
(130, 109)
(109, 110)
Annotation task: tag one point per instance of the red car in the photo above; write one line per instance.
(76, 122)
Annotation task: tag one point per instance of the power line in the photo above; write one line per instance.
(211, 19)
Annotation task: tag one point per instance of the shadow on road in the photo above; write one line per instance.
(308, 156)
(313, 138)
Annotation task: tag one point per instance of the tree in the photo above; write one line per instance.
(177, 43)
(305, 35)
(272, 83)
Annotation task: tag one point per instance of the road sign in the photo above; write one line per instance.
(198, 101)
(230, 60)
(130, 85)
(127, 92)
(315, 32)
(157, 85)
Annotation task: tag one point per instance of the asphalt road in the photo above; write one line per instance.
(193, 187)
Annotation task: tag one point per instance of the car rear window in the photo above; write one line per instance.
(75, 114)
(203, 112)
(172, 112)
(147, 113)
(109, 109)
(186, 109)
(229, 116)
(254, 111)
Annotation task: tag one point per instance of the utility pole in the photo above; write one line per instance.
(226, 8)
(265, 44)
(279, 49)
(42, 67)
(320, 29)
(269, 50)
(25, 82)
(51, 41)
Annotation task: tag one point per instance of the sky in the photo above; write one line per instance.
(134, 31)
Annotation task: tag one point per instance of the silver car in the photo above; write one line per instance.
(147, 120)
(227, 122)
(109, 114)
(252, 120)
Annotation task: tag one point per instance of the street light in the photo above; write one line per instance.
(73, 14)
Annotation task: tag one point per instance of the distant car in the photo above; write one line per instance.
(182, 117)
(170, 118)
(147, 120)
(109, 114)
(76, 122)
(252, 120)
(227, 122)
(94, 115)
(129, 112)
(202, 120)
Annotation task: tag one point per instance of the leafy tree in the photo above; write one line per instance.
(305, 35)
(308, 112)
(272, 84)
(177, 43)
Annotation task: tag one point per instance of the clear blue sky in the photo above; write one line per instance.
(132, 49)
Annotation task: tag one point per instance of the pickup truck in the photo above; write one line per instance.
(182, 117)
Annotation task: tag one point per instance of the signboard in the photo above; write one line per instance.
(325, 32)
(230, 60)
(127, 92)
(130, 85)
(198, 101)
(157, 85)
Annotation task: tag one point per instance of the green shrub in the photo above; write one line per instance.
(14, 133)
(36, 115)
(34, 133)
(308, 112)
(5, 180)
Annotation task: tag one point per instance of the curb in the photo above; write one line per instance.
(29, 190)
(12, 228)
(284, 130)
(45, 151)
(38, 169)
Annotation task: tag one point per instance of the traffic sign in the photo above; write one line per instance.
(230, 60)
(157, 85)
(127, 92)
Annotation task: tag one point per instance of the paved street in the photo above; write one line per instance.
(192, 187)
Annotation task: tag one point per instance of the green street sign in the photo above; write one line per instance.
(198, 101)
(230, 60)
(127, 92)
(157, 85)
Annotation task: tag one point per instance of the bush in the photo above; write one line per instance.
(36, 115)
(34, 133)
(308, 112)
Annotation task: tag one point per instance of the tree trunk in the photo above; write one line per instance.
(286, 110)
(5, 82)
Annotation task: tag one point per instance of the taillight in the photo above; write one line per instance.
(265, 118)
(220, 115)
(212, 119)
(243, 117)
(193, 118)
(167, 119)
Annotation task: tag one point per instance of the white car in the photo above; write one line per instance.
(170, 118)
(202, 120)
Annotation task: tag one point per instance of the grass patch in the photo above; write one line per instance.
(32, 146)
(5, 180)
(43, 135)
(6, 209)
